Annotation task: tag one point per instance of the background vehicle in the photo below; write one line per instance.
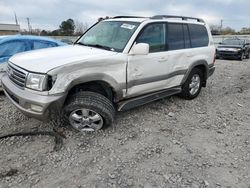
(234, 48)
(11, 45)
(118, 64)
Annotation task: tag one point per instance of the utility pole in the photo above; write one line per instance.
(16, 18)
(221, 25)
(29, 26)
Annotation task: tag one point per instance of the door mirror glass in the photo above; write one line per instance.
(140, 49)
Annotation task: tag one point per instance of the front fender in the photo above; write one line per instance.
(114, 84)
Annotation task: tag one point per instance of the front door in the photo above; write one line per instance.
(160, 68)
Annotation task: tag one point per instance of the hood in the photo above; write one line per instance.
(44, 60)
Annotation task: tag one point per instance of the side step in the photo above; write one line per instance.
(139, 101)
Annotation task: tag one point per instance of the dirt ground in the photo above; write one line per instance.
(169, 143)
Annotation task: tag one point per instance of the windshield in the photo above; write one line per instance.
(109, 35)
(232, 42)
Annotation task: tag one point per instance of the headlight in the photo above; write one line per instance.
(36, 81)
(239, 49)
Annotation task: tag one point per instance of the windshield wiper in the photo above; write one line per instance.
(81, 44)
(101, 46)
(97, 46)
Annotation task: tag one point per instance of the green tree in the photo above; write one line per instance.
(103, 18)
(55, 32)
(67, 27)
(44, 33)
(80, 27)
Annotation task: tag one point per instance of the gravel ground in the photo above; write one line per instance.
(169, 143)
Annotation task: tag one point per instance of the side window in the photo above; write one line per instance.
(11, 48)
(198, 35)
(186, 36)
(155, 36)
(175, 36)
(42, 44)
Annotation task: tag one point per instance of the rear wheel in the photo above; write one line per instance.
(192, 86)
(89, 111)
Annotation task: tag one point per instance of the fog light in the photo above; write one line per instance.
(36, 108)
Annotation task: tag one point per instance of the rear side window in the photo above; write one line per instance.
(175, 37)
(198, 35)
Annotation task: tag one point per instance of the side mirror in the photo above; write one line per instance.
(220, 43)
(140, 49)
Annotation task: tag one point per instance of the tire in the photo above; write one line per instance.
(89, 111)
(187, 92)
(241, 56)
(248, 54)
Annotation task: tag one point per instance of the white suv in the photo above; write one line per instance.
(117, 64)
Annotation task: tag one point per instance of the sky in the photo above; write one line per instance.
(48, 14)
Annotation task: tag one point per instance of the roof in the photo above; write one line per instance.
(169, 18)
(128, 19)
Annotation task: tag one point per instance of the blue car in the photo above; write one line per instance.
(11, 45)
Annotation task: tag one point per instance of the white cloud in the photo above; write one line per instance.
(5, 11)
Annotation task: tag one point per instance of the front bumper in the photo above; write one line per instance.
(24, 100)
(229, 54)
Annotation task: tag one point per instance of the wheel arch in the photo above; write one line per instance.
(203, 66)
(98, 86)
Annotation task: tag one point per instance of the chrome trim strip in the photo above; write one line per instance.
(156, 78)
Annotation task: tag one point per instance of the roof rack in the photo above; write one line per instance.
(182, 17)
(129, 17)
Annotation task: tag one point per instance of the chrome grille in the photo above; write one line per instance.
(16, 75)
(227, 52)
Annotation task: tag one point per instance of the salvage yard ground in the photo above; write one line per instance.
(169, 143)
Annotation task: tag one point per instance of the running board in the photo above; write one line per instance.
(139, 101)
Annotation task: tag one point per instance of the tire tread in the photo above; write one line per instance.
(94, 101)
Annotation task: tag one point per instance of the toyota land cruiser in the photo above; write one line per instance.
(117, 64)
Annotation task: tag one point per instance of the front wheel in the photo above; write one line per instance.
(89, 111)
(241, 56)
(192, 86)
